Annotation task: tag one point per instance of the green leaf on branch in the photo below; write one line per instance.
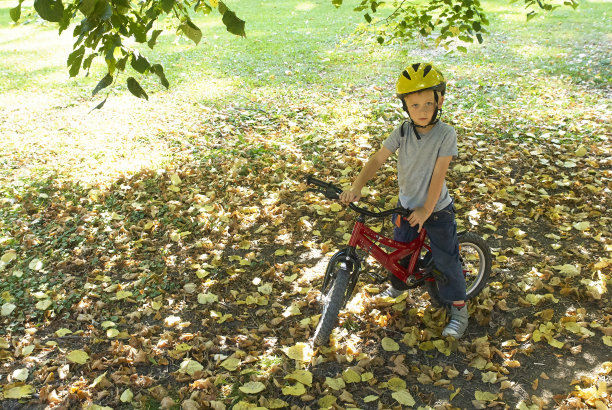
(158, 70)
(50, 10)
(153, 39)
(233, 24)
(140, 62)
(167, 5)
(191, 31)
(15, 12)
(75, 59)
(104, 82)
(136, 89)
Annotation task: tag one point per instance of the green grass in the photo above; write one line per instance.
(301, 62)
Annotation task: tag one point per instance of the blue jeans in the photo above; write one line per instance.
(442, 233)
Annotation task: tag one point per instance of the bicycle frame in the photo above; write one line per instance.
(364, 238)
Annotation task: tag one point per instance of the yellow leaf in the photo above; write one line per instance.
(367, 376)
(300, 351)
(396, 384)
(21, 374)
(442, 346)
(370, 398)
(35, 264)
(277, 403)
(455, 393)
(127, 396)
(335, 384)
(78, 356)
(26, 351)
(44, 304)
(214, 3)
(110, 333)
(404, 397)
(280, 252)
(205, 298)
(106, 324)
(231, 363)
(607, 340)
(20, 392)
(9, 256)
(296, 390)
(98, 380)
(351, 376)
(390, 345)
(581, 151)
(190, 367)
(326, 402)
(3, 343)
(7, 309)
(182, 347)
(156, 305)
(123, 294)
(485, 396)
(555, 343)
(489, 377)
(252, 387)
(335, 207)
(302, 376)
(582, 226)
(175, 179)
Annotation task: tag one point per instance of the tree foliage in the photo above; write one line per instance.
(102, 28)
(452, 21)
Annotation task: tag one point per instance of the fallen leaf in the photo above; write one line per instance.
(300, 351)
(252, 387)
(296, 390)
(390, 345)
(21, 374)
(78, 356)
(190, 367)
(302, 376)
(126, 396)
(403, 397)
(20, 392)
(7, 309)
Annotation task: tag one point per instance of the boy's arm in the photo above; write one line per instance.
(368, 171)
(420, 215)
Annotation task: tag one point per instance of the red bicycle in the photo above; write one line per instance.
(411, 262)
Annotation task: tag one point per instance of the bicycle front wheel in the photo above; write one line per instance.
(333, 301)
(475, 257)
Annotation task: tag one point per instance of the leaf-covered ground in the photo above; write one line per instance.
(166, 254)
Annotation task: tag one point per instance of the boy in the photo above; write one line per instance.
(426, 147)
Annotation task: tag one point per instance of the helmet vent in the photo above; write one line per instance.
(416, 66)
(427, 70)
(405, 74)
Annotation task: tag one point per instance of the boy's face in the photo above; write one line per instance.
(422, 105)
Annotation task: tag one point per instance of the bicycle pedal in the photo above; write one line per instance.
(376, 277)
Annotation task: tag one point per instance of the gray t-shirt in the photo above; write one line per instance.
(416, 160)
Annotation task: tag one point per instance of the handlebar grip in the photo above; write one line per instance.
(330, 190)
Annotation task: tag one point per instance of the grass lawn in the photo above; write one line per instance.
(177, 229)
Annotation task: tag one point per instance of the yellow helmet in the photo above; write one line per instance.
(419, 77)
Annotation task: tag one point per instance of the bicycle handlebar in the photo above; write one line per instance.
(333, 192)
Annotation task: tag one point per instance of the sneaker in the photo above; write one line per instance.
(458, 323)
(391, 292)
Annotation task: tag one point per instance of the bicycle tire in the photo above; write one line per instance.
(475, 281)
(332, 303)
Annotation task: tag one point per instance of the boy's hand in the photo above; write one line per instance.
(418, 217)
(349, 196)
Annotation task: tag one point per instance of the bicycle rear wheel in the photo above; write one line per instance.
(333, 301)
(475, 257)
